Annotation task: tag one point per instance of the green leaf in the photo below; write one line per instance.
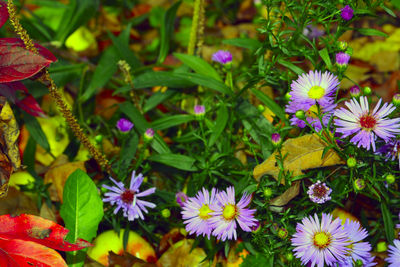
(325, 57)
(248, 43)
(141, 125)
(388, 10)
(199, 65)
(82, 211)
(256, 260)
(290, 66)
(170, 121)
(205, 81)
(128, 153)
(371, 32)
(77, 13)
(167, 29)
(122, 44)
(177, 161)
(35, 130)
(220, 124)
(271, 104)
(157, 98)
(387, 222)
(104, 71)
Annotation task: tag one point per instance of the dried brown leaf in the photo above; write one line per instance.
(288, 195)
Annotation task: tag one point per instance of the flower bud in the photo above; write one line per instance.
(165, 213)
(342, 60)
(342, 45)
(98, 139)
(255, 228)
(381, 246)
(390, 178)
(199, 111)
(276, 139)
(282, 233)
(367, 90)
(287, 96)
(396, 100)
(148, 135)
(300, 114)
(261, 108)
(124, 125)
(351, 162)
(355, 91)
(346, 13)
(359, 184)
(181, 198)
(289, 256)
(267, 192)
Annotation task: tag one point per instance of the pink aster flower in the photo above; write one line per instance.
(124, 125)
(127, 199)
(197, 212)
(357, 250)
(227, 213)
(366, 125)
(222, 57)
(319, 243)
(319, 193)
(394, 254)
(347, 13)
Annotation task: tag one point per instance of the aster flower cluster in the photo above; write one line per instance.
(317, 243)
(218, 214)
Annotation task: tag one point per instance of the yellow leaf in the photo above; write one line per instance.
(288, 195)
(181, 254)
(300, 154)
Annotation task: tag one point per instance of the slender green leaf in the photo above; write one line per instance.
(248, 43)
(166, 31)
(177, 161)
(205, 81)
(291, 66)
(199, 65)
(371, 32)
(104, 71)
(220, 124)
(388, 10)
(35, 130)
(271, 104)
(142, 125)
(82, 211)
(387, 222)
(157, 98)
(128, 153)
(170, 121)
(325, 57)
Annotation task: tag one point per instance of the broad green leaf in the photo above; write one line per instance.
(122, 44)
(248, 43)
(220, 124)
(325, 57)
(142, 125)
(170, 121)
(35, 130)
(387, 222)
(77, 13)
(104, 71)
(167, 30)
(371, 32)
(199, 65)
(205, 81)
(82, 211)
(177, 161)
(271, 104)
(291, 66)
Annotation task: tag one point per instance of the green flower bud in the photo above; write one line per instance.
(367, 90)
(342, 45)
(359, 184)
(165, 213)
(390, 178)
(267, 192)
(98, 139)
(351, 162)
(396, 100)
(261, 108)
(381, 246)
(289, 256)
(287, 96)
(282, 233)
(300, 114)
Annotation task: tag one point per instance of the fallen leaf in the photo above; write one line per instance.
(126, 260)
(3, 14)
(301, 153)
(288, 195)
(34, 228)
(58, 175)
(180, 254)
(16, 203)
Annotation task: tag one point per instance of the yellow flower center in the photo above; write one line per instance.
(229, 212)
(312, 112)
(204, 212)
(322, 240)
(316, 92)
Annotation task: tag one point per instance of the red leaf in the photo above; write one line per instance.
(39, 230)
(18, 63)
(27, 254)
(27, 103)
(3, 16)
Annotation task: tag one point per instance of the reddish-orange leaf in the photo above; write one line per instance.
(3, 16)
(39, 230)
(27, 254)
(18, 63)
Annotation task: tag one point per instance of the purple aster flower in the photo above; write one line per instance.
(394, 254)
(197, 212)
(312, 32)
(124, 125)
(222, 56)
(320, 243)
(347, 13)
(228, 213)
(390, 150)
(128, 198)
(342, 59)
(365, 124)
(310, 90)
(319, 193)
(181, 198)
(357, 250)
